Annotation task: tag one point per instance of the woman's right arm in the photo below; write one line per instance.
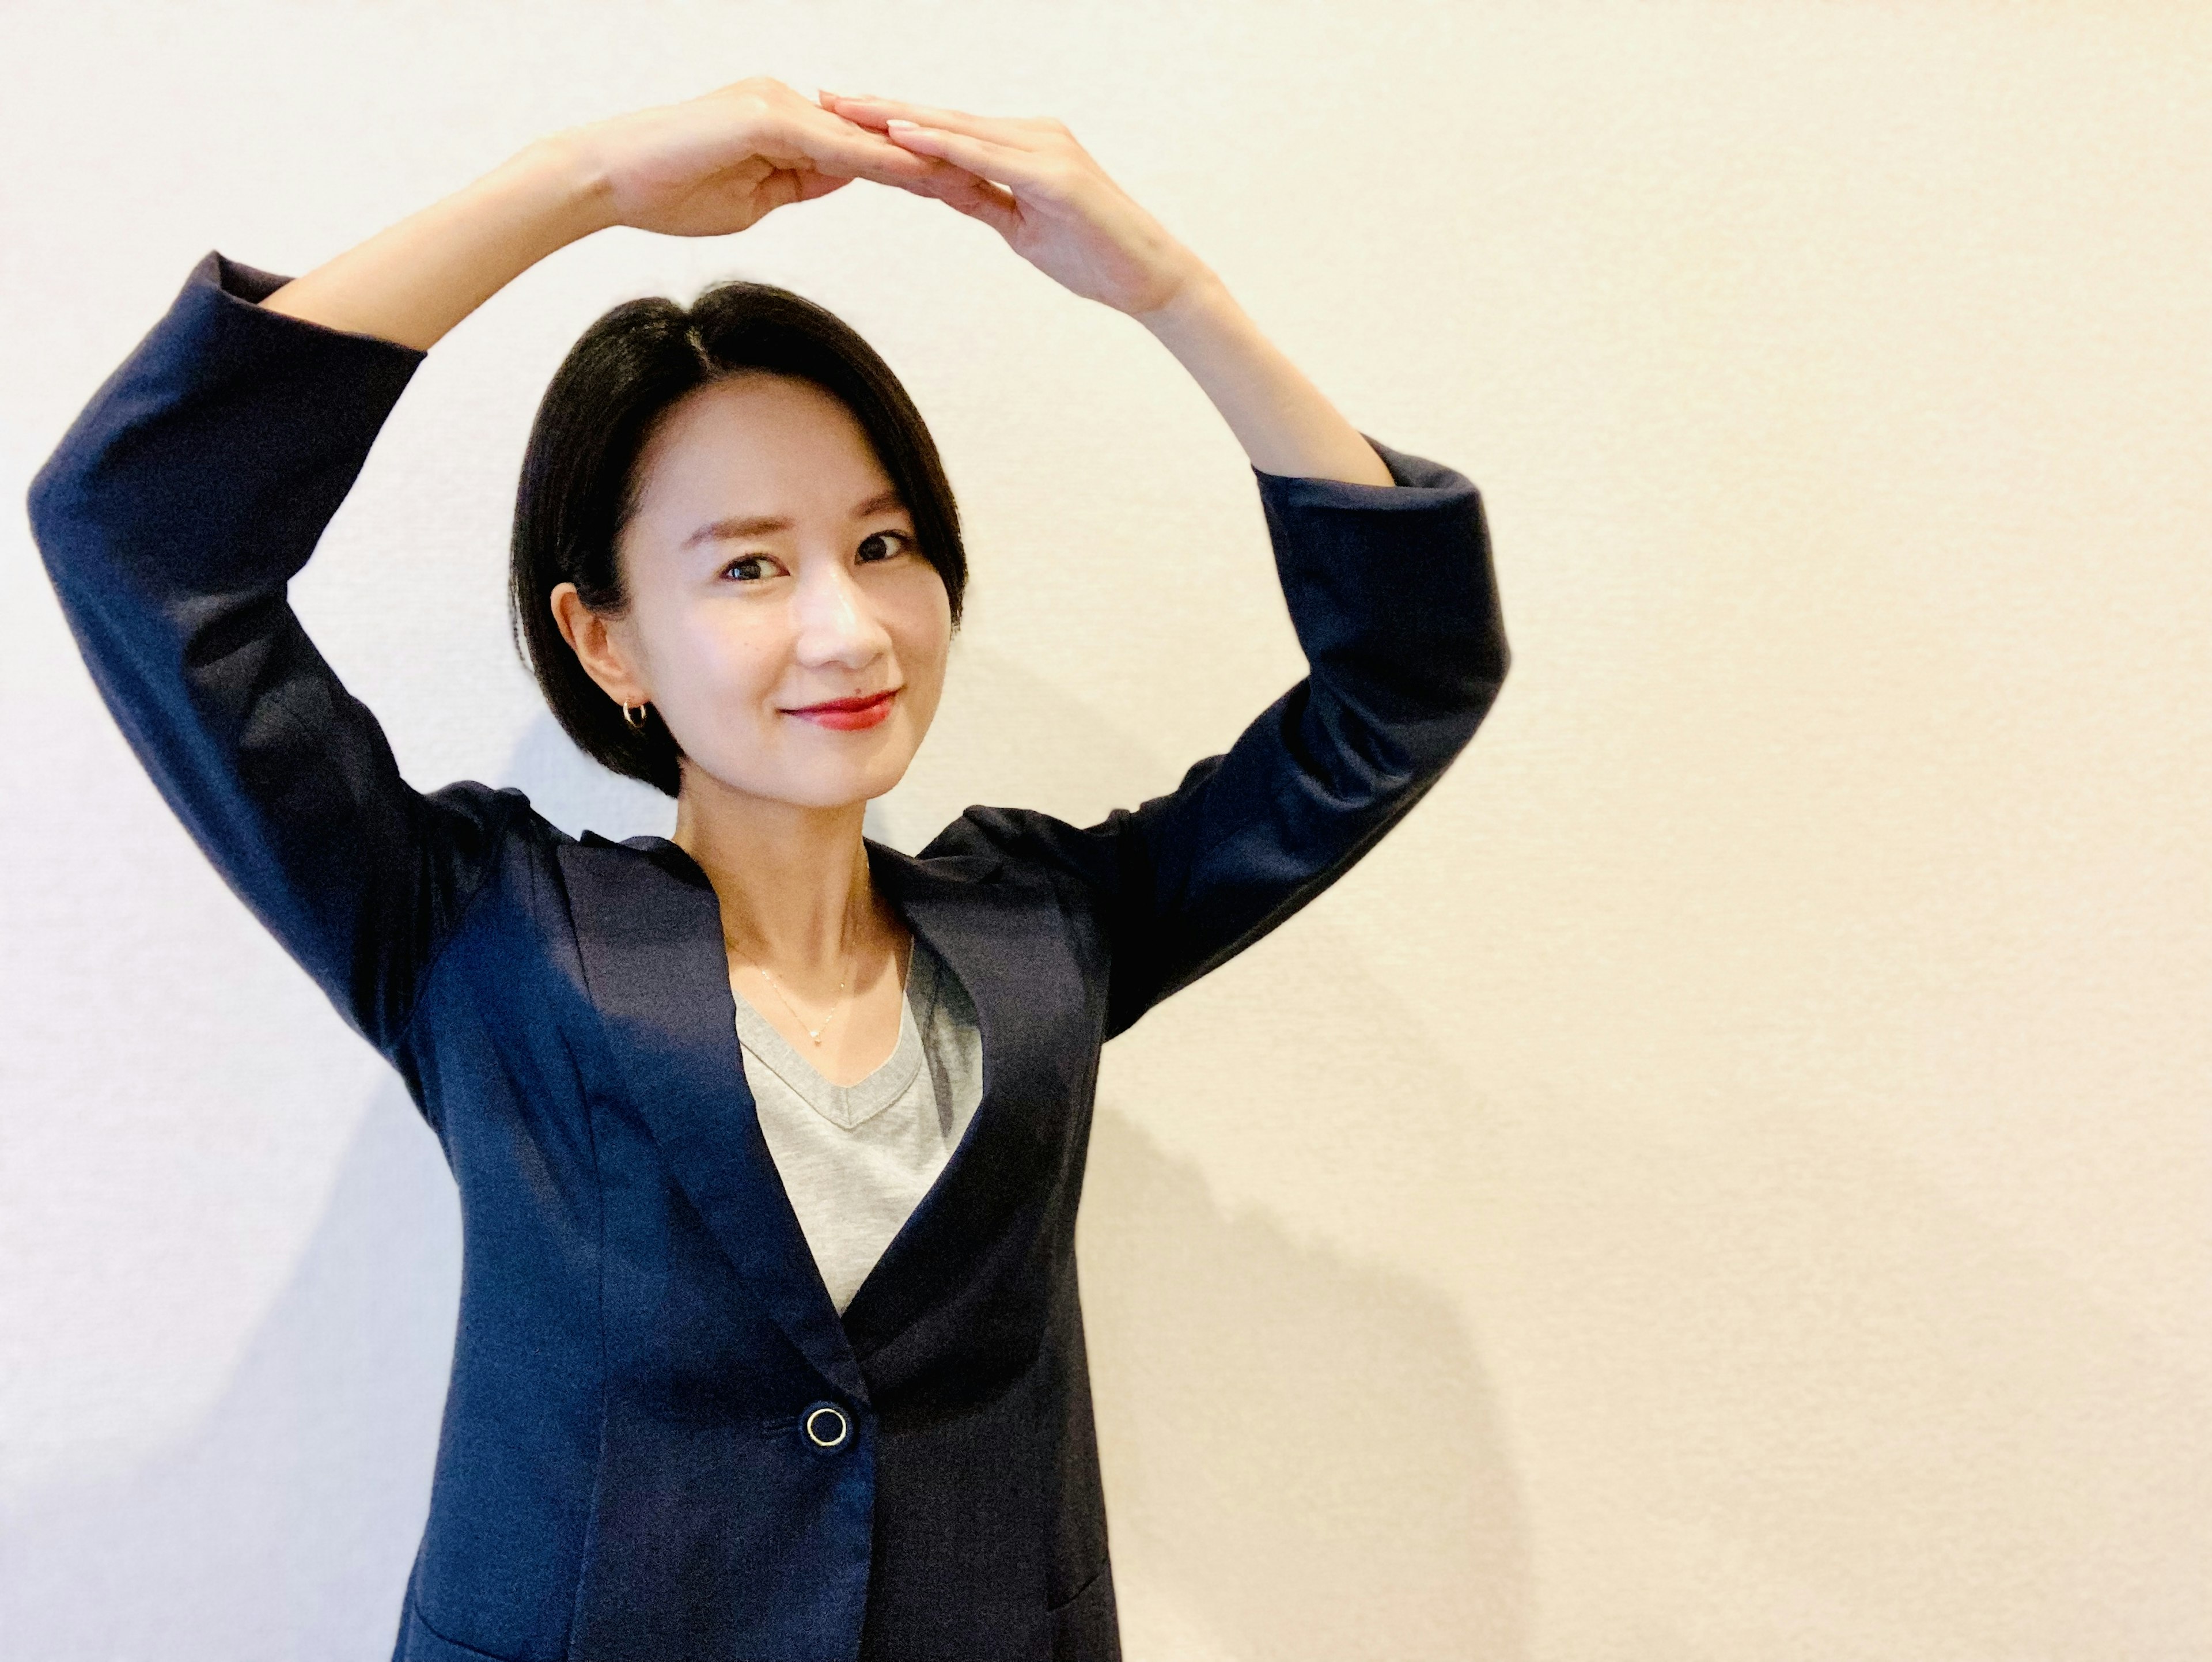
(412, 281)
(195, 485)
(172, 518)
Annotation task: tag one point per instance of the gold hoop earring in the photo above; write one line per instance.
(634, 716)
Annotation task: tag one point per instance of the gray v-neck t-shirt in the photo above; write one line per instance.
(856, 1159)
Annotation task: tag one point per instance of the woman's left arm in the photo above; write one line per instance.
(1384, 559)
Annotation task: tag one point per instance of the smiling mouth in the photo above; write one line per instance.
(849, 714)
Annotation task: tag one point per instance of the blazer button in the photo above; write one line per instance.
(827, 1426)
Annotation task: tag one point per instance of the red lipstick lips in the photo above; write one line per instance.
(848, 715)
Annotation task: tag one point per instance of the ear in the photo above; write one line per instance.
(593, 638)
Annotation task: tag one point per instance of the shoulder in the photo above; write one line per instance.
(483, 835)
(1032, 843)
(497, 812)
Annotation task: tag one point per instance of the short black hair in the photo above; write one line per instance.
(579, 484)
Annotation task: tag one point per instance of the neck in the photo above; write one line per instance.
(788, 877)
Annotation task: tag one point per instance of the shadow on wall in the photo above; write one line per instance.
(282, 1526)
(1303, 1463)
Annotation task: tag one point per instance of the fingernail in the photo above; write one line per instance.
(895, 121)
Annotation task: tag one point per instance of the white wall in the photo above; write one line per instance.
(1752, 1200)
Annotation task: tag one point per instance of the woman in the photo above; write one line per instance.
(770, 1345)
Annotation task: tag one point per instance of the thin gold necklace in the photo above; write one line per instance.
(844, 981)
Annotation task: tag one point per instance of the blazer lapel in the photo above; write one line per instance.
(650, 930)
(1006, 941)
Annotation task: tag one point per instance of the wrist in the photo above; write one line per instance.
(561, 183)
(1199, 299)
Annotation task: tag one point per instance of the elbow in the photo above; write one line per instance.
(1474, 692)
(1493, 661)
(57, 506)
(1480, 671)
(49, 486)
(51, 504)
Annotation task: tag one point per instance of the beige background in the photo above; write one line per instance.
(1727, 1179)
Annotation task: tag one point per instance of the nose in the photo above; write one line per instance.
(835, 626)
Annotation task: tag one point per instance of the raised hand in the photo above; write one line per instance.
(1043, 192)
(722, 161)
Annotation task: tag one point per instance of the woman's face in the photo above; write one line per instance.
(771, 570)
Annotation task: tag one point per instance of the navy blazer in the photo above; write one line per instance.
(661, 1441)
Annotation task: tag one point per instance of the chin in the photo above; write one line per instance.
(815, 788)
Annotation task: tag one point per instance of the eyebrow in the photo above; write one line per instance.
(726, 530)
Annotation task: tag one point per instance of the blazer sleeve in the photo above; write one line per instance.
(172, 518)
(1393, 596)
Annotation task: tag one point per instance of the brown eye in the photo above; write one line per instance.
(737, 567)
(892, 543)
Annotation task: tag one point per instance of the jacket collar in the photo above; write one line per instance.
(649, 928)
